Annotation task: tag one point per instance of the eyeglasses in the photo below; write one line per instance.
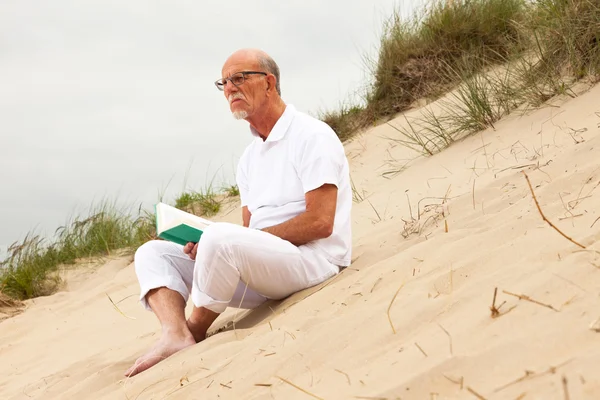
(237, 79)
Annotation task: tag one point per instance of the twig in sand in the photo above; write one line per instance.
(565, 387)
(460, 382)
(146, 388)
(527, 374)
(474, 393)
(226, 384)
(474, 180)
(515, 167)
(390, 306)
(409, 206)
(422, 351)
(495, 311)
(597, 219)
(375, 284)
(544, 217)
(449, 338)
(570, 217)
(532, 374)
(343, 373)
(527, 298)
(299, 388)
(117, 308)
(263, 384)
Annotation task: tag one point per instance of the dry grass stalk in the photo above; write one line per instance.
(449, 338)
(390, 306)
(375, 284)
(422, 351)
(495, 311)
(226, 385)
(299, 388)
(565, 387)
(343, 373)
(527, 374)
(117, 308)
(459, 382)
(527, 298)
(474, 393)
(263, 384)
(143, 390)
(530, 374)
(597, 219)
(474, 192)
(544, 217)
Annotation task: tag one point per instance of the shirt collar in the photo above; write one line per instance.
(281, 126)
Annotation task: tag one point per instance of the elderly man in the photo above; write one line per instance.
(296, 201)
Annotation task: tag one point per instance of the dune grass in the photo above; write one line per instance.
(543, 48)
(29, 270)
(416, 55)
(31, 267)
(205, 202)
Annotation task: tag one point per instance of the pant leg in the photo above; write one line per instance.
(160, 263)
(269, 265)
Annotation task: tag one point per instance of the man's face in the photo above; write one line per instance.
(245, 98)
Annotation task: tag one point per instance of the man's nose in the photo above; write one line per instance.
(229, 88)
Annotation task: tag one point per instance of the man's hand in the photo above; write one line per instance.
(191, 249)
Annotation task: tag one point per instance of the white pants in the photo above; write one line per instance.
(235, 266)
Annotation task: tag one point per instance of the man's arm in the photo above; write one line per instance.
(315, 223)
(246, 216)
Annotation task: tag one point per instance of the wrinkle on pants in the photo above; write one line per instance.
(235, 266)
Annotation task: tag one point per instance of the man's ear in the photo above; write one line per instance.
(270, 82)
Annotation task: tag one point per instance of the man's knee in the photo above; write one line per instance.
(217, 236)
(147, 253)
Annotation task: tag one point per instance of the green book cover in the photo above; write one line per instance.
(182, 234)
(178, 226)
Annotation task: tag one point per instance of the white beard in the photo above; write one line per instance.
(240, 114)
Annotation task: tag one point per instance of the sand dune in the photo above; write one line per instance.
(342, 339)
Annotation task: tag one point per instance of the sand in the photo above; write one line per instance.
(474, 228)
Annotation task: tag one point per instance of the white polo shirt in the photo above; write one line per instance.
(300, 154)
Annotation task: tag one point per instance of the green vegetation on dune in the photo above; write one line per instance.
(29, 270)
(544, 45)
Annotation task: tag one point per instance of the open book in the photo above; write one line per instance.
(178, 226)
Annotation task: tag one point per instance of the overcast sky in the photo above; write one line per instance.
(115, 99)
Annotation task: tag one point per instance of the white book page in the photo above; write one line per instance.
(168, 217)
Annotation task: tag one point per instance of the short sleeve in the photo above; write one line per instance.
(321, 161)
(241, 178)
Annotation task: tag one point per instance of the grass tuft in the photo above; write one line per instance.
(205, 202)
(30, 267)
(543, 47)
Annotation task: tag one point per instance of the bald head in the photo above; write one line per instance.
(262, 60)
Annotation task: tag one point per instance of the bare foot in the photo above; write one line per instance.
(198, 337)
(169, 344)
